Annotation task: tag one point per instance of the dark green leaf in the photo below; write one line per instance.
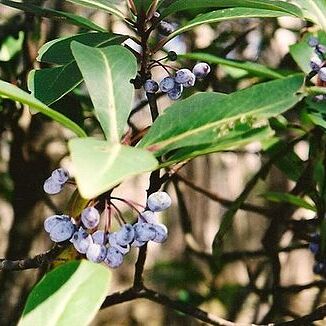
(69, 295)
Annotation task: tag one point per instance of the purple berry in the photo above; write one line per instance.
(96, 253)
(159, 201)
(151, 86)
(167, 84)
(191, 81)
(313, 247)
(113, 258)
(201, 70)
(183, 76)
(90, 217)
(176, 92)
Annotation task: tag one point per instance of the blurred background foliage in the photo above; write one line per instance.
(252, 285)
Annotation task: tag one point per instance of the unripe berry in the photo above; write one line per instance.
(151, 86)
(90, 217)
(96, 253)
(113, 258)
(125, 235)
(176, 92)
(81, 240)
(99, 237)
(60, 175)
(161, 233)
(201, 70)
(147, 217)
(52, 187)
(183, 75)
(159, 201)
(62, 231)
(167, 84)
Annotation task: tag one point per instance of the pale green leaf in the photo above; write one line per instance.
(71, 294)
(16, 94)
(107, 73)
(100, 165)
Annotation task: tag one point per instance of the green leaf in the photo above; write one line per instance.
(281, 197)
(71, 294)
(11, 46)
(180, 5)
(223, 15)
(317, 119)
(204, 117)
(51, 84)
(314, 10)
(16, 94)
(107, 73)
(251, 67)
(51, 13)
(100, 165)
(142, 5)
(105, 5)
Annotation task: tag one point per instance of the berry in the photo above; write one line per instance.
(315, 63)
(166, 28)
(159, 201)
(96, 253)
(60, 175)
(172, 56)
(125, 235)
(137, 243)
(322, 74)
(113, 258)
(313, 247)
(167, 84)
(99, 237)
(191, 81)
(148, 217)
(53, 220)
(201, 70)
(52, 187)
(144, 232)
(183, 76)
(176, 92)
(313, 41)
(151, 86)
(81, 240)
(90, 217)
(62, 231)
(161, 233)
(319, 268)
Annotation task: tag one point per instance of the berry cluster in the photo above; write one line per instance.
(315, 247)
(317, 63)
(104, 245)
(173, 86)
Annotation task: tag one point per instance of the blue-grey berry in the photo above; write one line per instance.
(96, 253)
(322, 73)
(175, 93)
(113, 241)
(144, 232)
(60, 175)
(161, 233)
(319, 268)
(90, 217)
(148, 217)
(183, 75)
(313, 247)
(62, 231)
(191, 81)
(167, 84)
(166, 28)
(51, 221)
(151, 86)
(201, 70)
(113, 258)
(51, 186)
(158, 201)
(313, 41)
(138, 244)
(125, 235)
(99, 237)
(81, 240)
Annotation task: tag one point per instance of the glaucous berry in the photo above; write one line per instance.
(113, 258)
(125, 235)
(313, 41)
(161, 233)
(158, 201)
(144, 232)
(183, 75)
(313, 247)
(148, 217)
(60, 175)
(165, 28)
(151, 86)
(90, 217)
(167, 84)
(96, 253)
(138, 244)
(315, 63)
(176, 92)
(52, 187)
(99, 237)
(62, 231)
(322, 73)
(201, 70)
(81, 240)
(51, 221)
